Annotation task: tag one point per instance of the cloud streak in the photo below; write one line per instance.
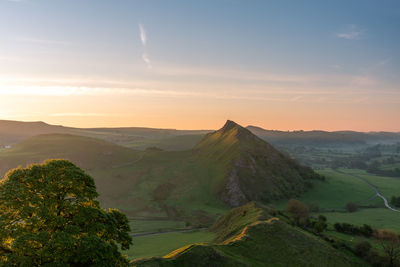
(146, 60)
(143, 36)
(352, 33)
(143, 39)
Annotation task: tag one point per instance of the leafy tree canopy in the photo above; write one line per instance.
(49, 216)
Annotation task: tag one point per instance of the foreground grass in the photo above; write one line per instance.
(162, 244)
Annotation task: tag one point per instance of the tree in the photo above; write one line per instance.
(351, 207)
(49, 216)
(299, 211)
(390, 242)
(320, 225)
(362, 248)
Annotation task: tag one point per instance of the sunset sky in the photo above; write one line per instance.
(287, 65)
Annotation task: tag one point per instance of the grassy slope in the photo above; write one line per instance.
(173, 143)
(174, 185)
(162, 244)
(387, 186)
(257, 170)
(87, 152)
(245, 238)
(144, 184)
(340, 189)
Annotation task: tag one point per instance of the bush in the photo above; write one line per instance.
(314, 207)
(351, 229)
(351, 207)
(362, 248)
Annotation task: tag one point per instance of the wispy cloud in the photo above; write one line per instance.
(143, 39)
(146, 60)
(143, 36)
(352, 32)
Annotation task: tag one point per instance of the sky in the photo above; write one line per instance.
(186, 64)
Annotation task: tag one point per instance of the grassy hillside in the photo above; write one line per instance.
(187, 185)
(87, 152)
(93, 155)
(249, 236)
(343, 186)
(255, 169)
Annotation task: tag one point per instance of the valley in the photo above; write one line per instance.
(173, 186)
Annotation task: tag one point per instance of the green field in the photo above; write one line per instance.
(387, 186)
(337, 190)
(162, 244)
(380, 218)
(341, 188)
(150, 226)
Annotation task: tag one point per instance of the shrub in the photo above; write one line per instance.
(351, 207)
(362, 248)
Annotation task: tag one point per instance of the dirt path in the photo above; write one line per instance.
(377, 194)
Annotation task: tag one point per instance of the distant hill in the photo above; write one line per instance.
(250, 236)
(256, 170)
(324, 138)
(13, 132)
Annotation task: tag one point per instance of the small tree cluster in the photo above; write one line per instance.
(298, 211)
(390, 243)
(364, 250)
(320, 225)
(351, 229)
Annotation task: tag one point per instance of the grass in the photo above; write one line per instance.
(147, 184)
(162, 244)
(250, 240)
(148, 226)
(378, 218)
(339, 189)
(387, 186)
(335, 192)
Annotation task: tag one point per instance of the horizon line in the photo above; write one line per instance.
(191, 129)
